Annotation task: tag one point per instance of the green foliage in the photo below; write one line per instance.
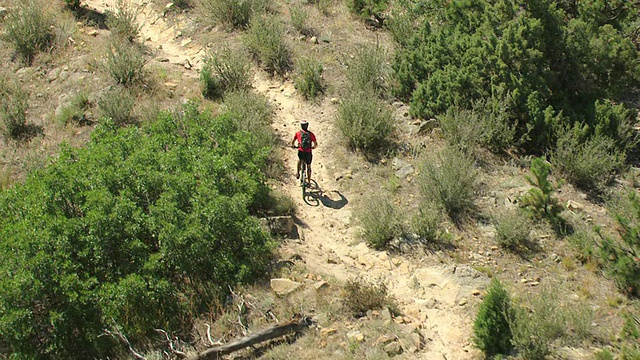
(251, 112)
(124, 62)
(28, 26)
(365, 120)
(379, 219)
(367, 71)
(426, 223)
(449, 180)
(115, 106)
(308, 78)
(554, 64)
(137, 230)
(225, 71)
(266, 43)
(234, 14)
(123, 22)
(362, 295)
(589, 164)
(75, 111)
(513, 229)
(622, 256)
(299, 19)
(539, 200)
(13, 108)
(491, 330)
(367, 8)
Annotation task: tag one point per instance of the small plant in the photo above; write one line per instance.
(365, 121)
(13, 108)
(72, 4)
(623, 256)
(588, 164)
(368, 8)
(299, 17)
(123, 22)
(362, 295)
(252, 113)
(379, 219)
(308, 78)
(539, 200)
(266, 43)
(116, 106)
(462, 129)
(124, 62)
(367, 71)
(449, 180)
(512, 229)
(426, 223)
(491, 329)
(28, 26)
(225, 71)
(75, 111)
(234, 14)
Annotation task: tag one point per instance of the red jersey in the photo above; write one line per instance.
(299, 138)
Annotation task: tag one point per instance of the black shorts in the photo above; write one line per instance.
(305, 156)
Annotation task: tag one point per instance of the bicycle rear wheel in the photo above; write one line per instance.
(303, 179)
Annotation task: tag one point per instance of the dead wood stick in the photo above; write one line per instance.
(298, 324)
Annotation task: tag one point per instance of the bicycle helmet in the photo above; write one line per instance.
(304, 124)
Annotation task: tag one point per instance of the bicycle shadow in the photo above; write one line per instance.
(333, 199)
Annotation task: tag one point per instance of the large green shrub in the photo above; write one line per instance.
(555, 61)
(138, 230)
(368, 71)
(234, 14)
(123, 22)
(491, 330)
(116, 106)
(449, 180)
(225, 71)
(28, 26)
(365, 121)
(266, 43)
(251, 112)
(513, 229)
(426, 222)
(308, 78)
(379, 219)
(13, 108)
(299, 17)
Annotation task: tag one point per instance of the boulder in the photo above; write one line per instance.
(284, 286)
(393, 348)
(278, 225)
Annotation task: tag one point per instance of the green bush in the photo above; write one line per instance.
(225, 71)
(512, 229)
(124, 62)
(379, 219)
(366, 121)
(426, 223)
(367, 8)
(491, 330)
(401, 24)
(462, 129)
(622, 254)
(13, 108)
(539, 200)
(308, 78)
(362, 295)
(299, 19)
(448, 179)
(28, 26)
(589, 164)
(251, 112)
(116, 106)
(123, 22)
(75, 111)
(72, 4)
(266, 43)
(139, 229)
(234, 14)
(368, 71)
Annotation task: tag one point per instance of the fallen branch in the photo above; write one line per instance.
(170, 341)
(118, 334)
(298, 324)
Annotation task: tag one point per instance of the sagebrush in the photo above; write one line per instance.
(365, 121)
(267, 44)
(225, 71)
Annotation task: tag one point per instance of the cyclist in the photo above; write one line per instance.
(306, 143)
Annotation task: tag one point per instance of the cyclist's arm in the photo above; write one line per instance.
(314, 143)
(293, 142)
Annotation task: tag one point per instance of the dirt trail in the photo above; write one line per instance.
(434, 299)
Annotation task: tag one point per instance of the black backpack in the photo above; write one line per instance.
(305, 137)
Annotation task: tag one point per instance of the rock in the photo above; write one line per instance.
(355, 335)
(393, 349)
(314, 40)
(93, 32)
(333, 258)
(534, 283)
(416, 339)
(405, 171)
(574, 206)
(462, 302)
(385, 339)
(385, 314)
(169, 6)
(475, 293)
(334, 100)
(328, 331)
(171, 85)
(278, 225)
(284, 286)
(163, 59)
(320, 284)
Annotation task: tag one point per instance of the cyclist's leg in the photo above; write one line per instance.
(309, 158)
(299, 164)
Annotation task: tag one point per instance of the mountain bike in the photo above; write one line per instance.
(303, 178)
